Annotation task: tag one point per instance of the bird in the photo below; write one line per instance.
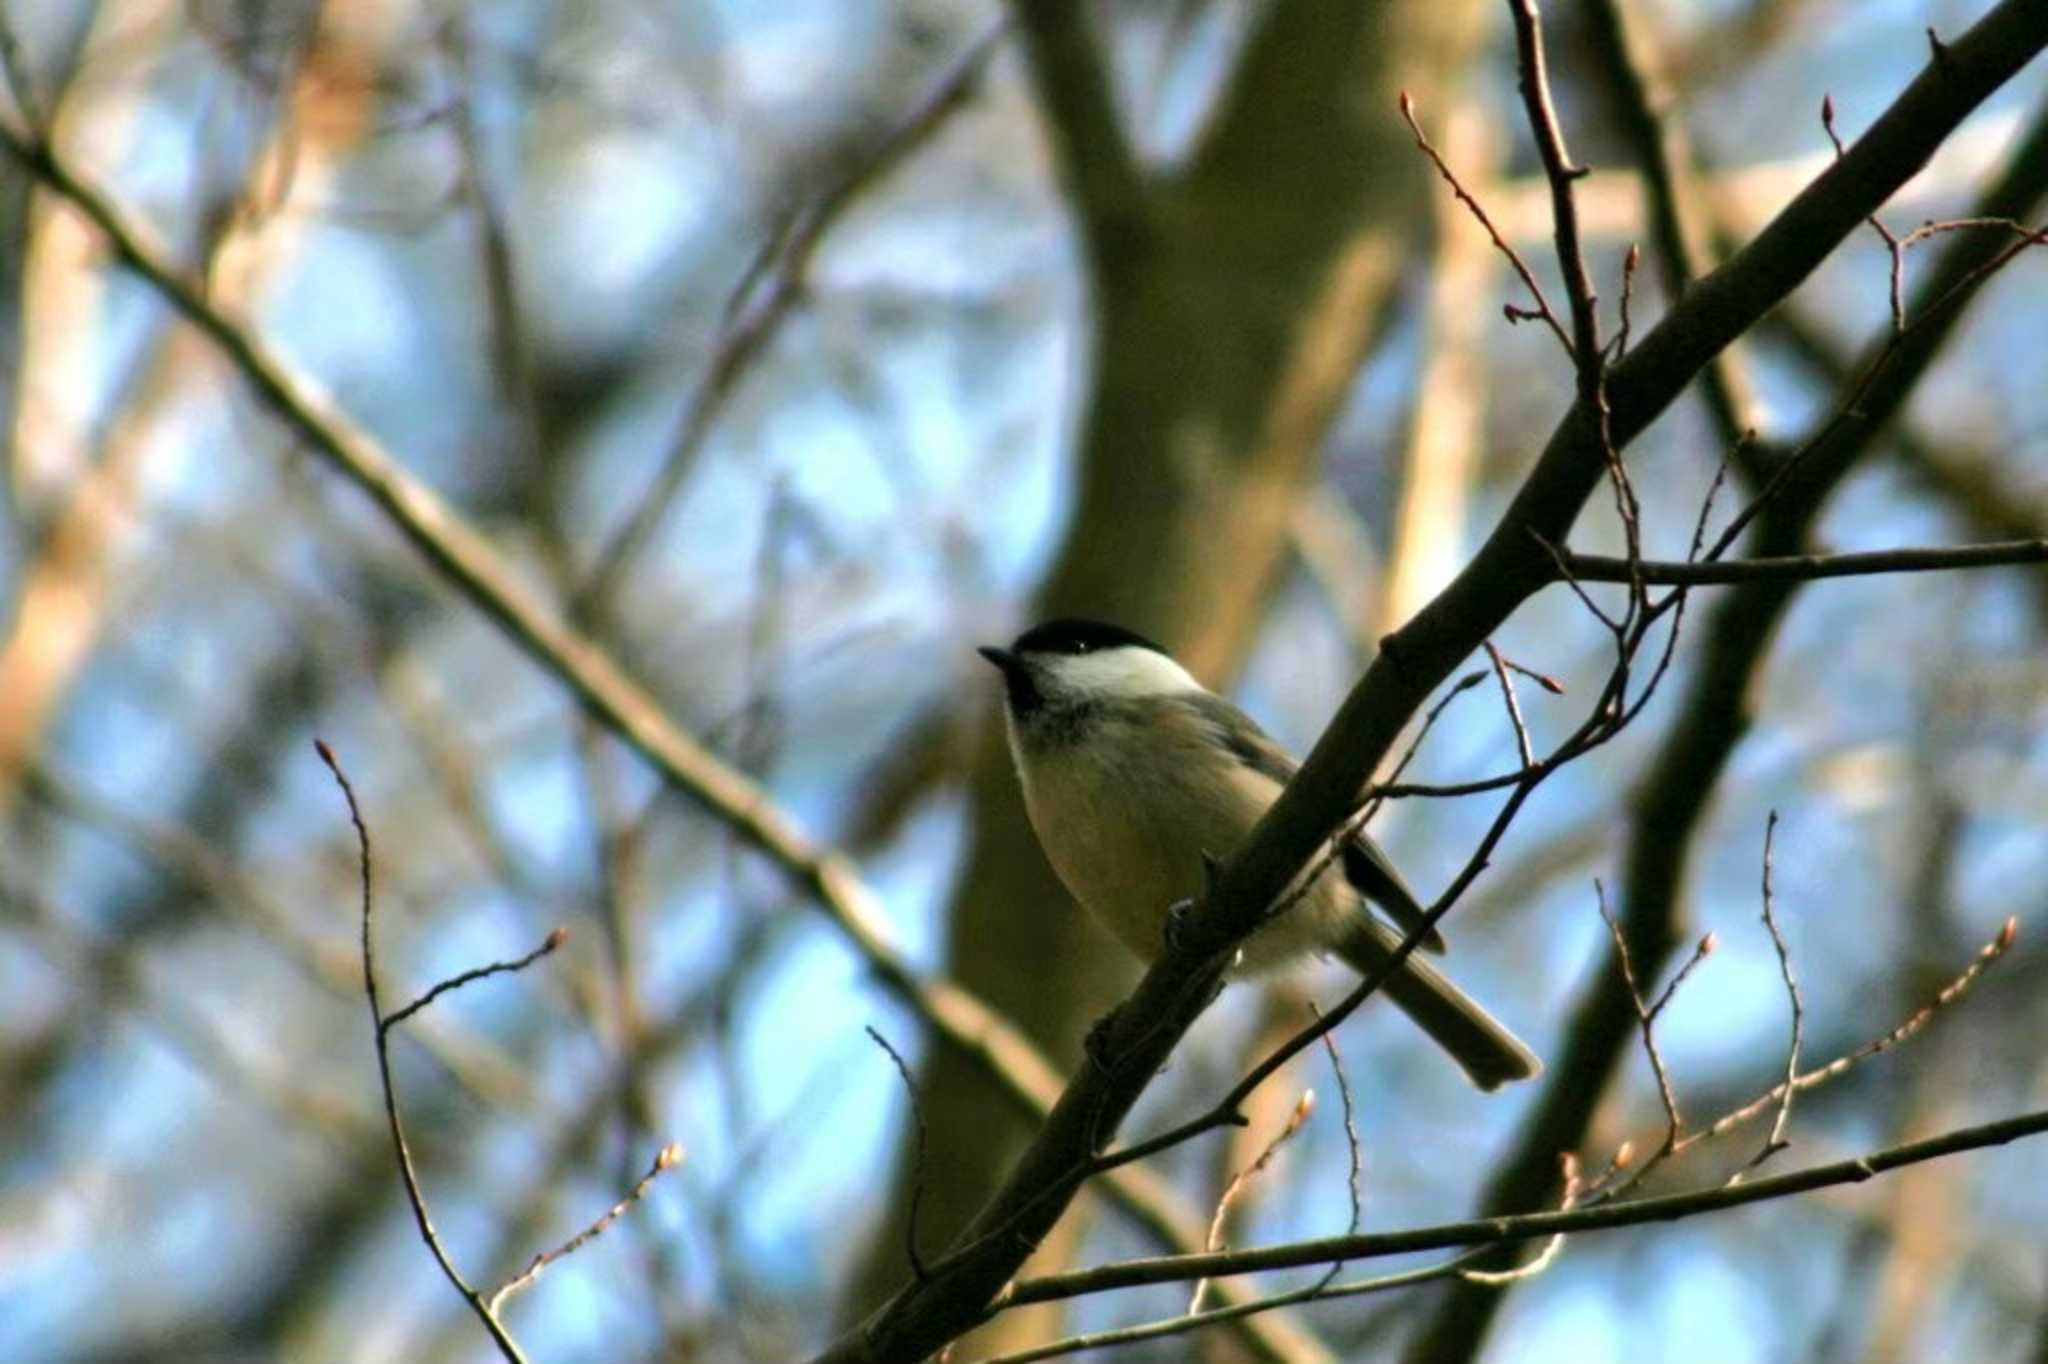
(1133, 774)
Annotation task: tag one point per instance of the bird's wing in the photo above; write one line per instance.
(1367, 868)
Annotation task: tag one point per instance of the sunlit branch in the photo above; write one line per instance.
(1495, 1231)
(471, 564)
(1602, 568)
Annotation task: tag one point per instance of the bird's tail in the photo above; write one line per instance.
(1477, 1041)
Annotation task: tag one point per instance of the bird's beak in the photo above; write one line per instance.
(1002, 658)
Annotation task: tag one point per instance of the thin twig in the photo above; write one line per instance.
(1892, 244)
(1602, 568)
(1630, 263)
(1775, 1142)
(1570, 578)
(1700, 952)
(1610, 714)
(1187, 1325)
(1542, 312)
(1773, 1098)
(555, 938)
(1543, 680)
(1646, 1013)
(1568, 1171)
(1353, 1149)
(917, 1168)
(1299, 1115)
(1354, 1182)
(1714, 486)
(1913, 1023)
(1370, 806)
(1523, 748)
(382, 1032)
(1497, 1231)
(667, 1158)
(1534, 81)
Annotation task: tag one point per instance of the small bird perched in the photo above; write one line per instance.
(1133, 771)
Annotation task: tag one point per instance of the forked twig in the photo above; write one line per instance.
(1774, 1098)
(1523, 748)
(1534, 82)
(500, 1337)
(1776, 1142)
(382, 1024)
(1647, 1012)
(1987, 955)
(1542, 312)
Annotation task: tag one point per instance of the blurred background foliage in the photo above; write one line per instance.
(794, 349)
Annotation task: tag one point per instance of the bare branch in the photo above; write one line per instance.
(1568, 1176)
(1603, 568)
(382, 1031)
(1558, 169)
(475, 568)
(1497, 1231)
(1647, 1012)
(1303, 1106)
(1986, 957)
(667, 1158)
(910, 1250)
(1352, 1146)
(555, 938)
(1188, 1324)
(1663, 154)
(1514, 707)
(1775, 1142)
(1542, 312)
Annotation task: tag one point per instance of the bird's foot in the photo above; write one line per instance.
(1096, 1044)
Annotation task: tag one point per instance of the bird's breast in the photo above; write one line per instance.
(1126, 828)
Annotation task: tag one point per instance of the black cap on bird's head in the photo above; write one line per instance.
(1072, 635)
(1067, 637)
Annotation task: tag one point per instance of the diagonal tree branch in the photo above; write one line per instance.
(469, 561)
(1605, 568)
(1486, 1231)
(1719, 308)
(475, 568)
(1415, 660)
(1683, 775)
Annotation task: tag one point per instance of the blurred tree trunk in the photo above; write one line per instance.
(1234, 301)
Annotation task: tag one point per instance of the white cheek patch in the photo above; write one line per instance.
(1122, 672)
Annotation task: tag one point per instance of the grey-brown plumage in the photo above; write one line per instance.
(1132, 772)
